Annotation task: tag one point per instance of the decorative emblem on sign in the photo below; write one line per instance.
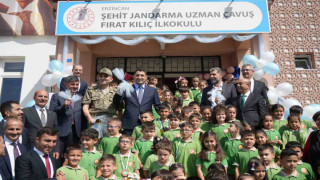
(80, 18)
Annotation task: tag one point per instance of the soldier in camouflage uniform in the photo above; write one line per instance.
(97, 103)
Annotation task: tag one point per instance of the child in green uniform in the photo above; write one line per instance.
(266, 153)
(195, 107)
(90, 156)
(177, 171)
(142, 146)
(233, 145)
(211, 152)
(72, 171)
(232, 113)
(195, 89)
(186, 112)
(206, 113)
(182, 82)
(198, 97)
(302, 167)
(289, 159)
(220, 123)
(107, 166)
(277, 111)
(175, 120)
(125, 160)
(274, 136)
(195, 119)
(262, 138)
(184, 91)
(185, 149)
(296, 132)
(164, 149)
(257, 169)
(109, 144)
(145, 116)
(247, 152)
(163, 122)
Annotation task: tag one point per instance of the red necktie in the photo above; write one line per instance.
(46, 156)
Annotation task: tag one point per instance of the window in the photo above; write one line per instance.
(11, 71)
(303, 61)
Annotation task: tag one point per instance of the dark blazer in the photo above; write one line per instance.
(32, 123)
(5, 164)
(254, 108)
(228, 91)
(260, 88)
(65, 115)
(25, 139)
(30, 166)
(82, 90)
(132, 111)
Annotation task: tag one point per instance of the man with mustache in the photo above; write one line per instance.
(67, 105)
(77, 70)
(227, 90)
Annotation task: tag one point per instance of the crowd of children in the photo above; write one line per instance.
(187, 141)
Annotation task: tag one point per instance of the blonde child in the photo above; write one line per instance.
(109, 144)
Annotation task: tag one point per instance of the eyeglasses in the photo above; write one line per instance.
(112, 127)
(125, 142)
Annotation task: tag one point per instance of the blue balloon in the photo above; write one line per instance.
(30, 103)
(55, 65)
(316, 107)
(250, 59)
(271, 69)
(59, 82)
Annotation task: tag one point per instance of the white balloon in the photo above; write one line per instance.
(56, 74)
(47, 80)
(67, 71)
(290, 102)
(284, 89)
(309, 111)
(271, 88)
(260, 63)
(267, 56)
(273, 97)
(258, 74)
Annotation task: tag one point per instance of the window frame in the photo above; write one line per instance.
(301, 57)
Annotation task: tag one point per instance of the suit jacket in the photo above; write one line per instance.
(228, 91)
(254, 108)
(30, 166)
(32, 123)
(5, 164)
(25, 139)
(82, 90)
(132, 111)
(65, 115)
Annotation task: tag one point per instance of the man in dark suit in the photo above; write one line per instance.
(67, 105)
(12, 131)
(251, 107)
(38, 116)
(77, 71)
(38, 163)
(140, 100)
(227, 90)
(2, 153)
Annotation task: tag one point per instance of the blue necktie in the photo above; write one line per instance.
(140, 94)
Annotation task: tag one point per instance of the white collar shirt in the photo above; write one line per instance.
(10, 147)
(252, 84)
(39, 112)
(44, 160)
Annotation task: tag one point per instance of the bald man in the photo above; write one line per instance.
(38, 116)
(251, 107)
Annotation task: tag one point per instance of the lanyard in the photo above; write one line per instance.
(178, 152)
(125, 168)
(162, 124)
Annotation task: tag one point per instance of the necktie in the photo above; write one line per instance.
(140, 95)
(46, 156)
(243, 98)
(27, 27)
(15, 150)
(43, 118)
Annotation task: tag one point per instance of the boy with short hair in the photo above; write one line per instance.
(72, 171)
(107, 166)
(186, 149)
(289, 159)
(195, 119)
(174, 132)
(232, 113)
(186, 112)
(90, 156)
(163, 122)
(109, 144)
(195, 106)
(145, 116)
(125, 160)
(248, 151)
(184, 91)
(262, 138)
(266, 153)
(302, 167)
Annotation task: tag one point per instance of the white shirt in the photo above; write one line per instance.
(44, 161)
(218, 88)
(252, 84)
(11, 155)
(39, 112)
(136, 86)
(245, 99)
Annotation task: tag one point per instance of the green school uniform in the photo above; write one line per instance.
(109, 144)
(153, 158)
(305, 125)
(231, 147)
(277, 150)
(124, 164)
(155, 113)
(186, 102)
(299, 136)
(205, 164)
(71, 173)
(190, 94)
(242, 158)
(114, 177)
(172, 133)
(156, 165)
(272, 135)
(305, 169)
(162, 125)
(206, 126)
(90, 161)
(198, 97)
(277, 124)
(221, 131)
(138, 134)
(143, 147)
(283, 176)
(185, 153)
(194, 91)
(196, 135)
(272, 170)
